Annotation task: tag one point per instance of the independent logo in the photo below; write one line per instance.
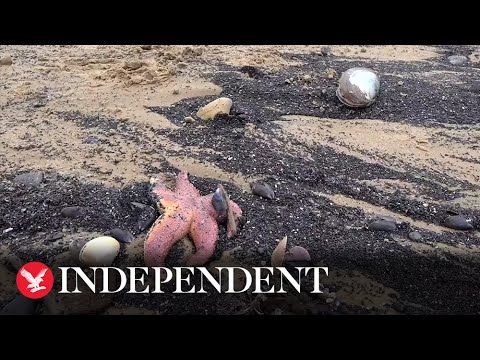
(34, 280)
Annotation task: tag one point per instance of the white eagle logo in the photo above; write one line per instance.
(34, 285)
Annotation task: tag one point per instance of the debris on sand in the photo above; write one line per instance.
(33, 178)
(358, 87)
(6, 60)
(251, 71)
(220, 204)
(382, 225)
(100, 251)
(132, 65)
(123, 236)
(331, 74)
(297, 253)
(278, 254)
(218, 106)
(146, 218)
(325, 51)
(415, 236)
(72, 211)
(263, 190)
(458, 222)
(457, 60)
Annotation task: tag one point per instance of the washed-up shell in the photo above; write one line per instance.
(146, 218)
(382, 225)
(100, 251)
(123, 236)
(263, 190)
(219, 202)
(278, 254)
(458, 222)
(297, 253)
(358, 87)
(219, 106)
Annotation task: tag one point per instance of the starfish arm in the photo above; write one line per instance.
(184, 186)
(166, 231)
(204, 233)
(162, 192)
(208, 206)
(235, 208)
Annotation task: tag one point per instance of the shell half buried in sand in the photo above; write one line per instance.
(358, 87)
(100, 251)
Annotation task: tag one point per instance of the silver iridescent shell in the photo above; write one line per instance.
(358, 87)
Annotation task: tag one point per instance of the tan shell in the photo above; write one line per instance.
(278, 254)
(219, 106)
(100, 251)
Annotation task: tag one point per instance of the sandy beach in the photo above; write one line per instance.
(98, 122)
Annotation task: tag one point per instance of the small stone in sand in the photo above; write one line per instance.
(189, 120)
(146, 47)
(382, 225)
(176, 91)
(33, 178)
(6, 60)
(414, 235)
(331, 74)
(325, 51)
(457, 60)
(132, 65)
(458, 222)
(71, 211)
(136, 80)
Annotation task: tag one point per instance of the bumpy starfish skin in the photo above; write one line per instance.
(187, 212)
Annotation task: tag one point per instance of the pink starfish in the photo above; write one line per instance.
(187, 212)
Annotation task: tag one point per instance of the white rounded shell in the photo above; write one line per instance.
(220, 106)
(100, 251)
(358, 87)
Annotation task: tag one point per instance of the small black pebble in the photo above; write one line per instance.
(414, 235)
(72, 211)
(124, 236)
(458, 222)
(382, 225)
